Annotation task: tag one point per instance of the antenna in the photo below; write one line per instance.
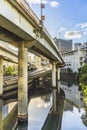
(42, 5)
(59, 35)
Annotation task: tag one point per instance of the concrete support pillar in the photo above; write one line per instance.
(58, 80)
(22, 83)
(1, 76)
(54, 85)
(54, 74)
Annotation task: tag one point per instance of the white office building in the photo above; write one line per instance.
(74, 59)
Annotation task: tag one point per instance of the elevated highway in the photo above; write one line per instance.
(20, 27)
(18, 23)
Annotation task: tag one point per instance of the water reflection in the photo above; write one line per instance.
(84, 116)
(38, 110)
(73, 95)
(70, 114)
(53, 120)
(1, 121)
(75, 110)
(8, 114)
(22, 126)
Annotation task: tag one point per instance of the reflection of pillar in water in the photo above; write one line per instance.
(54, 100)
(79, 101)
(40, 80)
(23, 126)
(1, 76)
(1, 118)
(54, 85)
(53, 120)
(58, 80)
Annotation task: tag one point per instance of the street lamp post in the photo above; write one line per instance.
(42, 16)
(41, 9)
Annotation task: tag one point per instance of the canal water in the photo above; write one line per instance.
(71, 111)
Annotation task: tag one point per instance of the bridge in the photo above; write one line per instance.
(20, 27)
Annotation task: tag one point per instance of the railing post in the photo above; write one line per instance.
(22, 83)
(1, 76)
(54, 85)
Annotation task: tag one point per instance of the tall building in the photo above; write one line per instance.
(77, 45)
(64, 45)
(84, 46)
(80, 46)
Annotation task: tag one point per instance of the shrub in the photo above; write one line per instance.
(9, 71)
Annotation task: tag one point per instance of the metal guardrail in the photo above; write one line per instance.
(8, 80)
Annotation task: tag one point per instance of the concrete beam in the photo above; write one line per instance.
(29, 44)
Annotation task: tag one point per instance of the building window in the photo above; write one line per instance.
(80, 63)
(80, 58)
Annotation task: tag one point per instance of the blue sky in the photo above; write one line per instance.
(65, 16)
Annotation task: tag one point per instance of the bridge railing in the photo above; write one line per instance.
(47, 33)
(28, 9)
(30, 12)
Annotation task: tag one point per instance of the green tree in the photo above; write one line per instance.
(83, 80)
(9, 71)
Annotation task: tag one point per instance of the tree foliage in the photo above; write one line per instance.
(84, 69)
(9, 71)
(83, 80)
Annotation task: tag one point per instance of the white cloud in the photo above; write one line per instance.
(85, 29)
(82, 25)
(62, 29)
(73, 34)
(37, 1)
(84, 33)
(54, 4)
